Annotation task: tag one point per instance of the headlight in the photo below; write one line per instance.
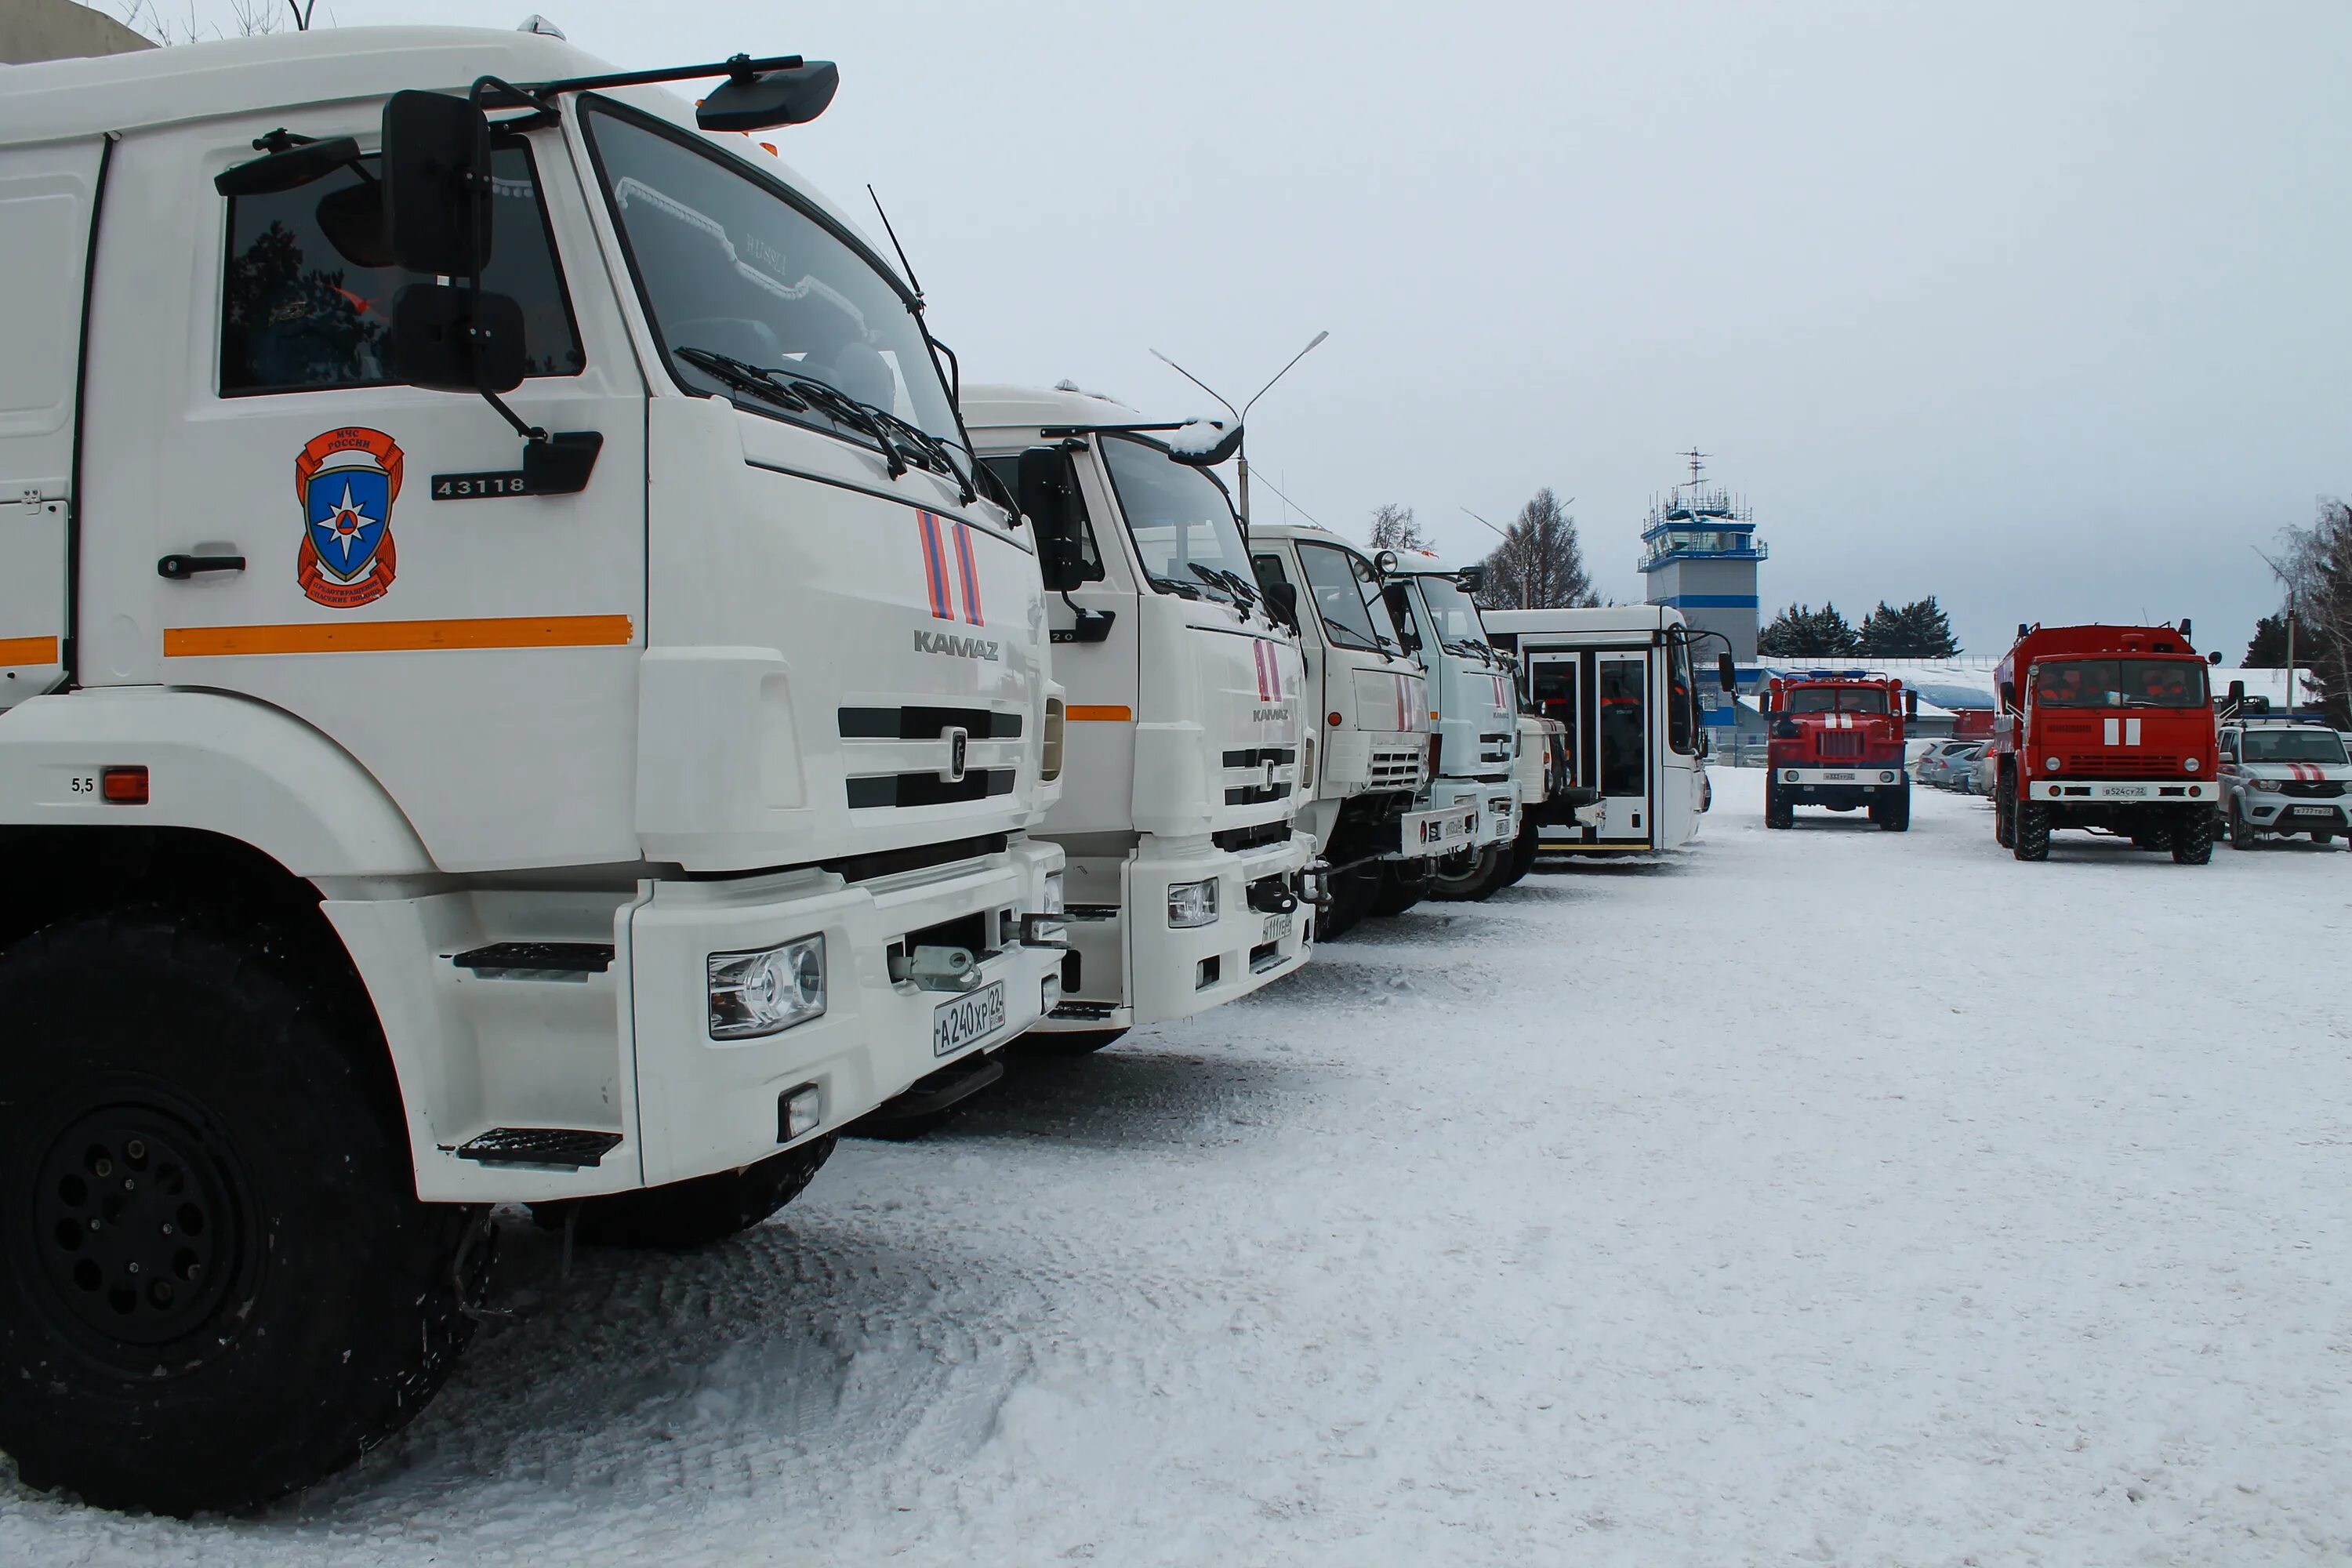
(2266, 786)
(2190, 764)
(1788, 775)
(2049, 764)
(1193, 904)
(768, 992)
(1053, 905)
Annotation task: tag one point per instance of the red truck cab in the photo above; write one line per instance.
(1836, 741)
(2108, 728)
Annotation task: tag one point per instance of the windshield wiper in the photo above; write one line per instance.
(1182, 589)
(1217, 580)
(743, 377)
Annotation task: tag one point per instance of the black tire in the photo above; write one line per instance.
(2193, 836)
(2241, 832)
(2030, 831)
(1352, 892)
(1778, 812)
(702, 1212)
(1063, 1042)
(1403, 884)
(2322, 836)
(1896, 816)
(1521, 859)
(203, 1167)
(1477, 880)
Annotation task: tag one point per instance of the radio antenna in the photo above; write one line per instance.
(904, 265)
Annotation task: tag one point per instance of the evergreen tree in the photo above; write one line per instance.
(1540, 563)
(1395, 529)
(1802, 632)
(1919, 629)
(2267, 650)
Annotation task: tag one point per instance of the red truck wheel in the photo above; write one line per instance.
(2030, 831)
(1778, 812)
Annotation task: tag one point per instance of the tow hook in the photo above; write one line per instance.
(1314, 883)
(1268, 896)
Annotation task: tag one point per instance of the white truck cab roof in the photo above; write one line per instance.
(998, 407)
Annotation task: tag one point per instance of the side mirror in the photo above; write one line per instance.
(1283, 599)
(1726, 672)
(1472, 580)
(1910, 705)
(456, 340)
(1043, 485)
(1204, 443)
(761, 102)
(2237, 694)
(288, 168)
(2009, 694)
(436, 168)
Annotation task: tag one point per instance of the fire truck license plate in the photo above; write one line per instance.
(960, 1023)
(1276, 928)
(2127, 792)
(1838, 777)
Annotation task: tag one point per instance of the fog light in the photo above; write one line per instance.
(1886, 778)
(799, 1112)
(1053, 901)
(2196, 792)
(1788, 775)
(1193, 904)
(767, 992)
(1049, 995)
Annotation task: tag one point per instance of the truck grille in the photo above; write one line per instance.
(1494, 748)
(2121, 766)
(1257, 795)
(927, 724)
(1238, 840)
(1258, 756)
(1838, 743)
(2312, 789)
(1396, 770)
(928, 789)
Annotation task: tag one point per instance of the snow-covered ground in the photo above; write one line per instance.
(2007, 1223)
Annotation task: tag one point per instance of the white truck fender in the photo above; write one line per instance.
(220, 763)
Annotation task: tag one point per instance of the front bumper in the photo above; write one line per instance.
(2151, 791)
(1441, 830)
(2288, 814)
(1135, 968)
(1497, 802)
(708, 1105)
(1889, 776)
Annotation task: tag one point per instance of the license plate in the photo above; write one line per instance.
(2127, 792)
(967, 1019)
(1276, 928)
(2314, 811)
(1837, 778)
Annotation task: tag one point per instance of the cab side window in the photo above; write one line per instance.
(306, 304)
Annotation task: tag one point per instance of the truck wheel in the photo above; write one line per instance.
(1778, 812)
(1352, 892)
(1476, 879)
(683, 1215)
(1896, 816)
(1401, 887)
(2192, 836)
(1062, 1041)
(1521, 859)
(2241, 832)
(218, 1284)
(2004, 806)
(2030, 831)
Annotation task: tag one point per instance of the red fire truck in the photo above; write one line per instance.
(2105, 728)
(1836, 740)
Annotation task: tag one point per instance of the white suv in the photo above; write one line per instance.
(2285, 776)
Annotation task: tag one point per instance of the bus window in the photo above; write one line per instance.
(1623, 726)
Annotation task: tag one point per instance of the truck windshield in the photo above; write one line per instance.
(1456, 617)
(1838, 700)
(1182, 524)
(2294, 746)
(737, 279)
(1347, 596)
(2119, 683)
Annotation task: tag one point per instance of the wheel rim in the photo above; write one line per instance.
(138, 1217)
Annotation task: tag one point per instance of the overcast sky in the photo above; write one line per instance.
(2041, 308)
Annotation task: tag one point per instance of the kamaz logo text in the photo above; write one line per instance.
(954, 646)
(1270, 715)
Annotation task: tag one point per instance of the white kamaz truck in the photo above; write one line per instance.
(1474, 747)
(1366, 759)
(513, 691)
(1187, 885)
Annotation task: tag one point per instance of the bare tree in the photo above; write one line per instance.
(1539, 565)
(2318, 569)
(250, 18)
(1395, 529)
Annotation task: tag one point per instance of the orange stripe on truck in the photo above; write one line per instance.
(400, 636)
(28, 650)
(1109, 712)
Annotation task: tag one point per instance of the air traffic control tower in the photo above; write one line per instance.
(1699, 553)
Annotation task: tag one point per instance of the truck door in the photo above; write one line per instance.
(271, 513)
(1622, 722)
(46, 194)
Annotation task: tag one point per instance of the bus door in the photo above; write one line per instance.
(1621, 726)
(1556, 688)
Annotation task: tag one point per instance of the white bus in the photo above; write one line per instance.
(1622, 679)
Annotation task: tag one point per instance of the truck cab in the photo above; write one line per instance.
(548, 722)
(1835, 740)
(2108, 728)
(1366, 761)
(1475, 746)
(1188, 886)
(2282, 776)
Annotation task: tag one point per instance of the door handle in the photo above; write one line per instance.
(180, 568)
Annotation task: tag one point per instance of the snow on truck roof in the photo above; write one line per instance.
(287, 73)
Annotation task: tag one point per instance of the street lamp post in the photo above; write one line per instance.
(1241, 415)
(1525, 573)
(2280, 572)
